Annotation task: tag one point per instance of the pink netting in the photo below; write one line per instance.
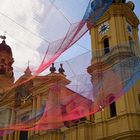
(55, 27)
(65, 102)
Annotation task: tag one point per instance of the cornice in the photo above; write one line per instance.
(108, 62)
(125, 11)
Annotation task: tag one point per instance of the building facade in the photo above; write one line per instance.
(112, 40)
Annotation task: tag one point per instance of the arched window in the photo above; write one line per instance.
(113, 112)
(106, 45)
(112, 106)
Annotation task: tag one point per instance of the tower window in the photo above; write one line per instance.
(139, 98)
(113, 112)
(106, 46)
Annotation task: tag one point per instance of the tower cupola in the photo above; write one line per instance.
(6, 61)
(4, 47)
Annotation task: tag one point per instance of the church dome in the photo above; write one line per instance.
(5, 47)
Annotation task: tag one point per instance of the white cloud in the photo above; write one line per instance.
(17, 19)
(30, 24)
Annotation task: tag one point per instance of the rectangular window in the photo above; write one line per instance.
(23, 135)
(106, 46)
(113, 112)
(139, 98)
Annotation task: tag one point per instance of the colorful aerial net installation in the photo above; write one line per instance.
(66, 101)
(69, 101)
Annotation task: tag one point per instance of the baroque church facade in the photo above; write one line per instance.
(118, 121)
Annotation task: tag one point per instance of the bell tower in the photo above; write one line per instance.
(118, 25)
(6, 69)
(114, 40)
